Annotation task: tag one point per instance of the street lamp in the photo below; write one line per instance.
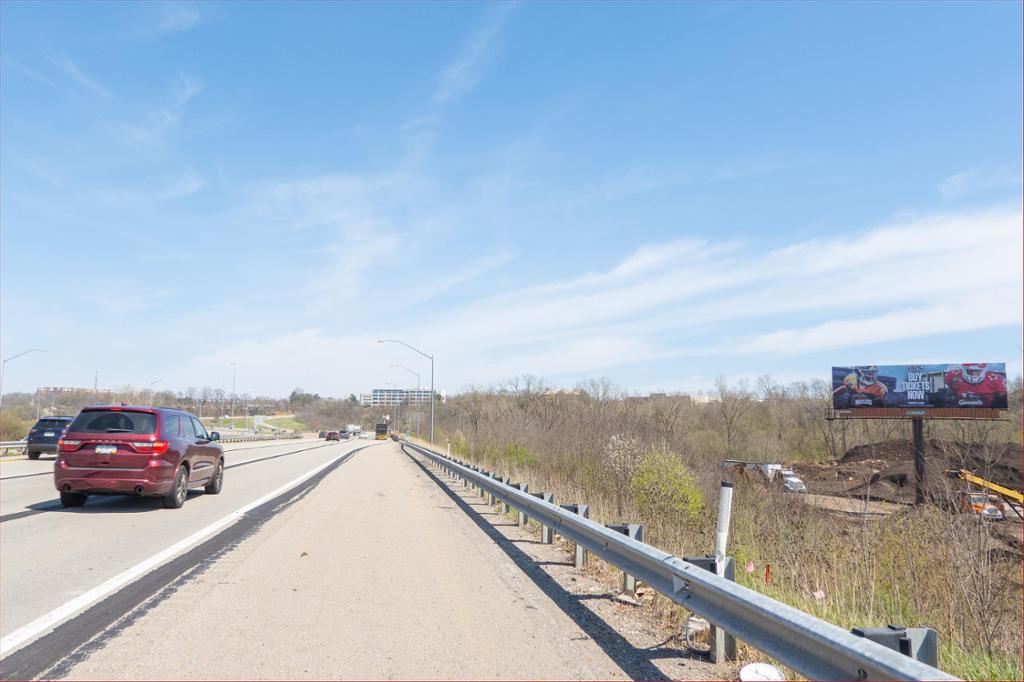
(3, 367)
(234, 372)
(155, 381)
(431, 358)
(417, 394)
(398, 406)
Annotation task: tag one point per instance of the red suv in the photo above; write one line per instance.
(146, 451)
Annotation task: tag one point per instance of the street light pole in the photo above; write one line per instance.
(234, 373)
(398, 406)
(3, 366)
(431, 358)
(417, 395)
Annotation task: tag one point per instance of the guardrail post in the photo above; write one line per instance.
(636, 532)
(918, 643)
(522, 487)
(504, 504)
(483, 492)
(584, 511)
(490, 495)
(723, 644)
(545, 531)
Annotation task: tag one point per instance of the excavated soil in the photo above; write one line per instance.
(885, 471)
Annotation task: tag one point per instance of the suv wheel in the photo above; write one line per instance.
(217, 482)
(33, 455)
(175, 497)
(71, 499)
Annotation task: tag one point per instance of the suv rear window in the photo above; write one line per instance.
(110, 421)
(51, 423)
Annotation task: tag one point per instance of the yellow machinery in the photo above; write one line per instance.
(1004, 492)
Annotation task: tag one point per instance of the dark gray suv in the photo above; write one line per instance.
(44, 435)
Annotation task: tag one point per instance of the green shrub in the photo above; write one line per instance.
(663, 486)
(517, 455)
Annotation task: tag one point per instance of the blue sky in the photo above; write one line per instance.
(655, 193)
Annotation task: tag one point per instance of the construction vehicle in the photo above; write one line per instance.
(1014, 498)
(382, 431)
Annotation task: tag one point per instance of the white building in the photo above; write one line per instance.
(381, 397)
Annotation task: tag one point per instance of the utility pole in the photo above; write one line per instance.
(234, 371)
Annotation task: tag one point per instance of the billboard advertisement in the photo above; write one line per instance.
(967, 385)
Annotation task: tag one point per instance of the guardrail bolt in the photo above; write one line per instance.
(545, 531)
(636, 532)
(584, 511)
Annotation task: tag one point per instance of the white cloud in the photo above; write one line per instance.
(183, 186)
(978, 180)
(462, 75)
(177, 15)
(63, 62)
(895, 282)
(167, 117)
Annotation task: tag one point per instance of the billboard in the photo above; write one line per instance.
(967, 385)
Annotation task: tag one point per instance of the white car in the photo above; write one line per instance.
(791, 483)
(365, 435)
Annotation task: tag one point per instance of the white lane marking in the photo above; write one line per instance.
(22, 635)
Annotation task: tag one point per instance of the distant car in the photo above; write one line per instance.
(364, 434)
(333, 435)
(323, 434)
(44, 435)
(145, 451)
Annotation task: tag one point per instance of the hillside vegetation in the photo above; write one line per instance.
(658, 461)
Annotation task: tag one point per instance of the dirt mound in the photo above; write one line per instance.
(885, 471)
(1000, 462)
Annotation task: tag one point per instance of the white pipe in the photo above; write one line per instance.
(724, 516)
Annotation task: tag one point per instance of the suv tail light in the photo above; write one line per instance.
(68, 445)
(156, 446)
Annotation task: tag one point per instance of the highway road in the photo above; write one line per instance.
(370, 568)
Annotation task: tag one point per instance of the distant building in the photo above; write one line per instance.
(381, 397)
(71, 389)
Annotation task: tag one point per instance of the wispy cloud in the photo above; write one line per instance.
(167, 117)
(183, 186)
(70, 69)
(978, 180)
(174, 16)
(464, 72)
(683, 301)
(442, 284)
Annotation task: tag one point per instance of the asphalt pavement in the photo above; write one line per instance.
(318, 561)
(50, 555)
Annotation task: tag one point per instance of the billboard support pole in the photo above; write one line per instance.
(920, 478)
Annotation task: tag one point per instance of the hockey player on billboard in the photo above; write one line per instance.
(861, 388)
(973, 384)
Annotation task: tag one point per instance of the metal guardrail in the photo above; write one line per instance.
(252, 439)
(809, 645)
(7, 445)
(20, 444)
